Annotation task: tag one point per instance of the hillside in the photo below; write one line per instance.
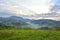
(21, 22)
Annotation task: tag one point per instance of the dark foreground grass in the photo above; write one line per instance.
(23, 34)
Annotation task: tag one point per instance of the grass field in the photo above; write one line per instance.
(23, 34)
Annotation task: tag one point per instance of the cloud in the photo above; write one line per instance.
(39, 6)
(32, 9)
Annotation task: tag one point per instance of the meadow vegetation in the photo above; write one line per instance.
(29, 34)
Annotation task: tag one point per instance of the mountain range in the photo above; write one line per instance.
(21, 22)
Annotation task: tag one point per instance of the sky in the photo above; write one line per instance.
(32, 9)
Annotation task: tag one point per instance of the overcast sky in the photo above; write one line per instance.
(32, 9)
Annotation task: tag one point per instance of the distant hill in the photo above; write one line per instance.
(13, 21)
(46, 22)
(21, 22)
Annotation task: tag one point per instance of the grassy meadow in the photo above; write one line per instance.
(29, 34)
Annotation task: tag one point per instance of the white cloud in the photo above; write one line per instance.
(27, 8)
(39, 6)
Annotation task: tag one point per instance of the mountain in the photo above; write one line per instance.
(19, 18)
(22, 22)
(13, 21)
(46, 22)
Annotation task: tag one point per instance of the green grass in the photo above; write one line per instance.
(23, 34)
